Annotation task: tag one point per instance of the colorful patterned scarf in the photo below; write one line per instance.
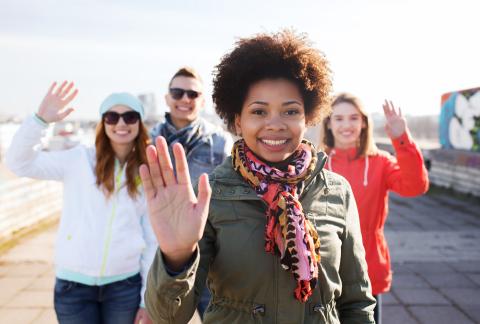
(288, 233)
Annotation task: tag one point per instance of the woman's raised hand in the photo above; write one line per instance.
(395, 123)
(52, 108)
(178, 217)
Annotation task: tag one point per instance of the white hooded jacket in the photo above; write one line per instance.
(98, 237)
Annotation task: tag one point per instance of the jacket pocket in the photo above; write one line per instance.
(64, 286)
(322, 313)
(230, 311)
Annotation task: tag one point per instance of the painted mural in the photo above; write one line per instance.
(460, 120)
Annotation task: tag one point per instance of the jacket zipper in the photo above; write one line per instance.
(106, 246)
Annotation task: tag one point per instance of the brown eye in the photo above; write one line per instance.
(292, 112)
(258, 112)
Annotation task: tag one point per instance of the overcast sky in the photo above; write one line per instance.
(408, 51)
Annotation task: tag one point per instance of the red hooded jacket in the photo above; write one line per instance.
(371, 178)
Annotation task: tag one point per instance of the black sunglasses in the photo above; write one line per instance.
(177, 93)
(129, 117)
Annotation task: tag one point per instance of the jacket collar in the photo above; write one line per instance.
(227, 184)
(349, 153)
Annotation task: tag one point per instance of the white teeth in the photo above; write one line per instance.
(274, 142)
(183, 108)
(122, 132)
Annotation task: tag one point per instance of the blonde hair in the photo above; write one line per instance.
(366, 145)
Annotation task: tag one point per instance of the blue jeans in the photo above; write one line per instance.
(204, 300)
(118, 302)
(377, 312)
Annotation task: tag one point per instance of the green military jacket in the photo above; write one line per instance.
(248, 285)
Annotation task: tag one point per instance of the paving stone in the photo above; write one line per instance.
(195, 319)
(475, 278)
(11, 287)
(31, 252)
(32, 299)
(389, 299)
(393, 314)
(420, 296)
(3, 269)
(429, 267)
(27, 270)
(47, 316)
(463, 296)
(473, 312)
(448, 280)
(408, 280)
(398, 268)
(42, 283)
(439, 315)
(23, 316)
(467, 266)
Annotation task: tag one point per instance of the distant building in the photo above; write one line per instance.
(150, 105)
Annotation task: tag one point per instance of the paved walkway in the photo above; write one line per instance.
(434, 242)
(436, 262)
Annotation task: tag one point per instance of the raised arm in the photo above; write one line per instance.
(22, 156)
(53, 106)
(177, 216)
(178, 219)
(406, 174)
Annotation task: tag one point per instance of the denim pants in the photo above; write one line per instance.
(117, 302)
(204, 300)
(377, 312)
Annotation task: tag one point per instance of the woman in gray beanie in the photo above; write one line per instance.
(105, 244)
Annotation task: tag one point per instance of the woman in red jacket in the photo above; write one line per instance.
(348, 140)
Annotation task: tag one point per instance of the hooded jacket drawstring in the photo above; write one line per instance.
(365, 170)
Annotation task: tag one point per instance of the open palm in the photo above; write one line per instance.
(395, 124)
(177, 216)
(52, 108)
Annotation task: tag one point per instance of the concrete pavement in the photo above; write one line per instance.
(434, 245)
(434, 242)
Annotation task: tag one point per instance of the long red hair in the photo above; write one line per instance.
(105, 158)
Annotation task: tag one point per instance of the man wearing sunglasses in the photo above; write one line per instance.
(205, 144)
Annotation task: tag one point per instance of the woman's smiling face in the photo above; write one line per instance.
(346, 124)
(272, 121)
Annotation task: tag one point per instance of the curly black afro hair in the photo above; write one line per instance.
(269, 56)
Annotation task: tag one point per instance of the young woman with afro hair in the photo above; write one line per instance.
(275, 234)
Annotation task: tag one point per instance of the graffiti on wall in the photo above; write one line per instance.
(460, 120)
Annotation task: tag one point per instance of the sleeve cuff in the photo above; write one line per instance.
(40, 120)
(187, 266)
(403, 140)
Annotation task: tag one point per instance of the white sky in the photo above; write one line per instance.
(410, 51)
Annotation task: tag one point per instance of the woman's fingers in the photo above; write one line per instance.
(70, 97)
(166, 167)
(150, 191)
(154, 167)
(183, 175)
(65, 113)
(50, 90)
(59, 89)
(386, 108)
(67, 89)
